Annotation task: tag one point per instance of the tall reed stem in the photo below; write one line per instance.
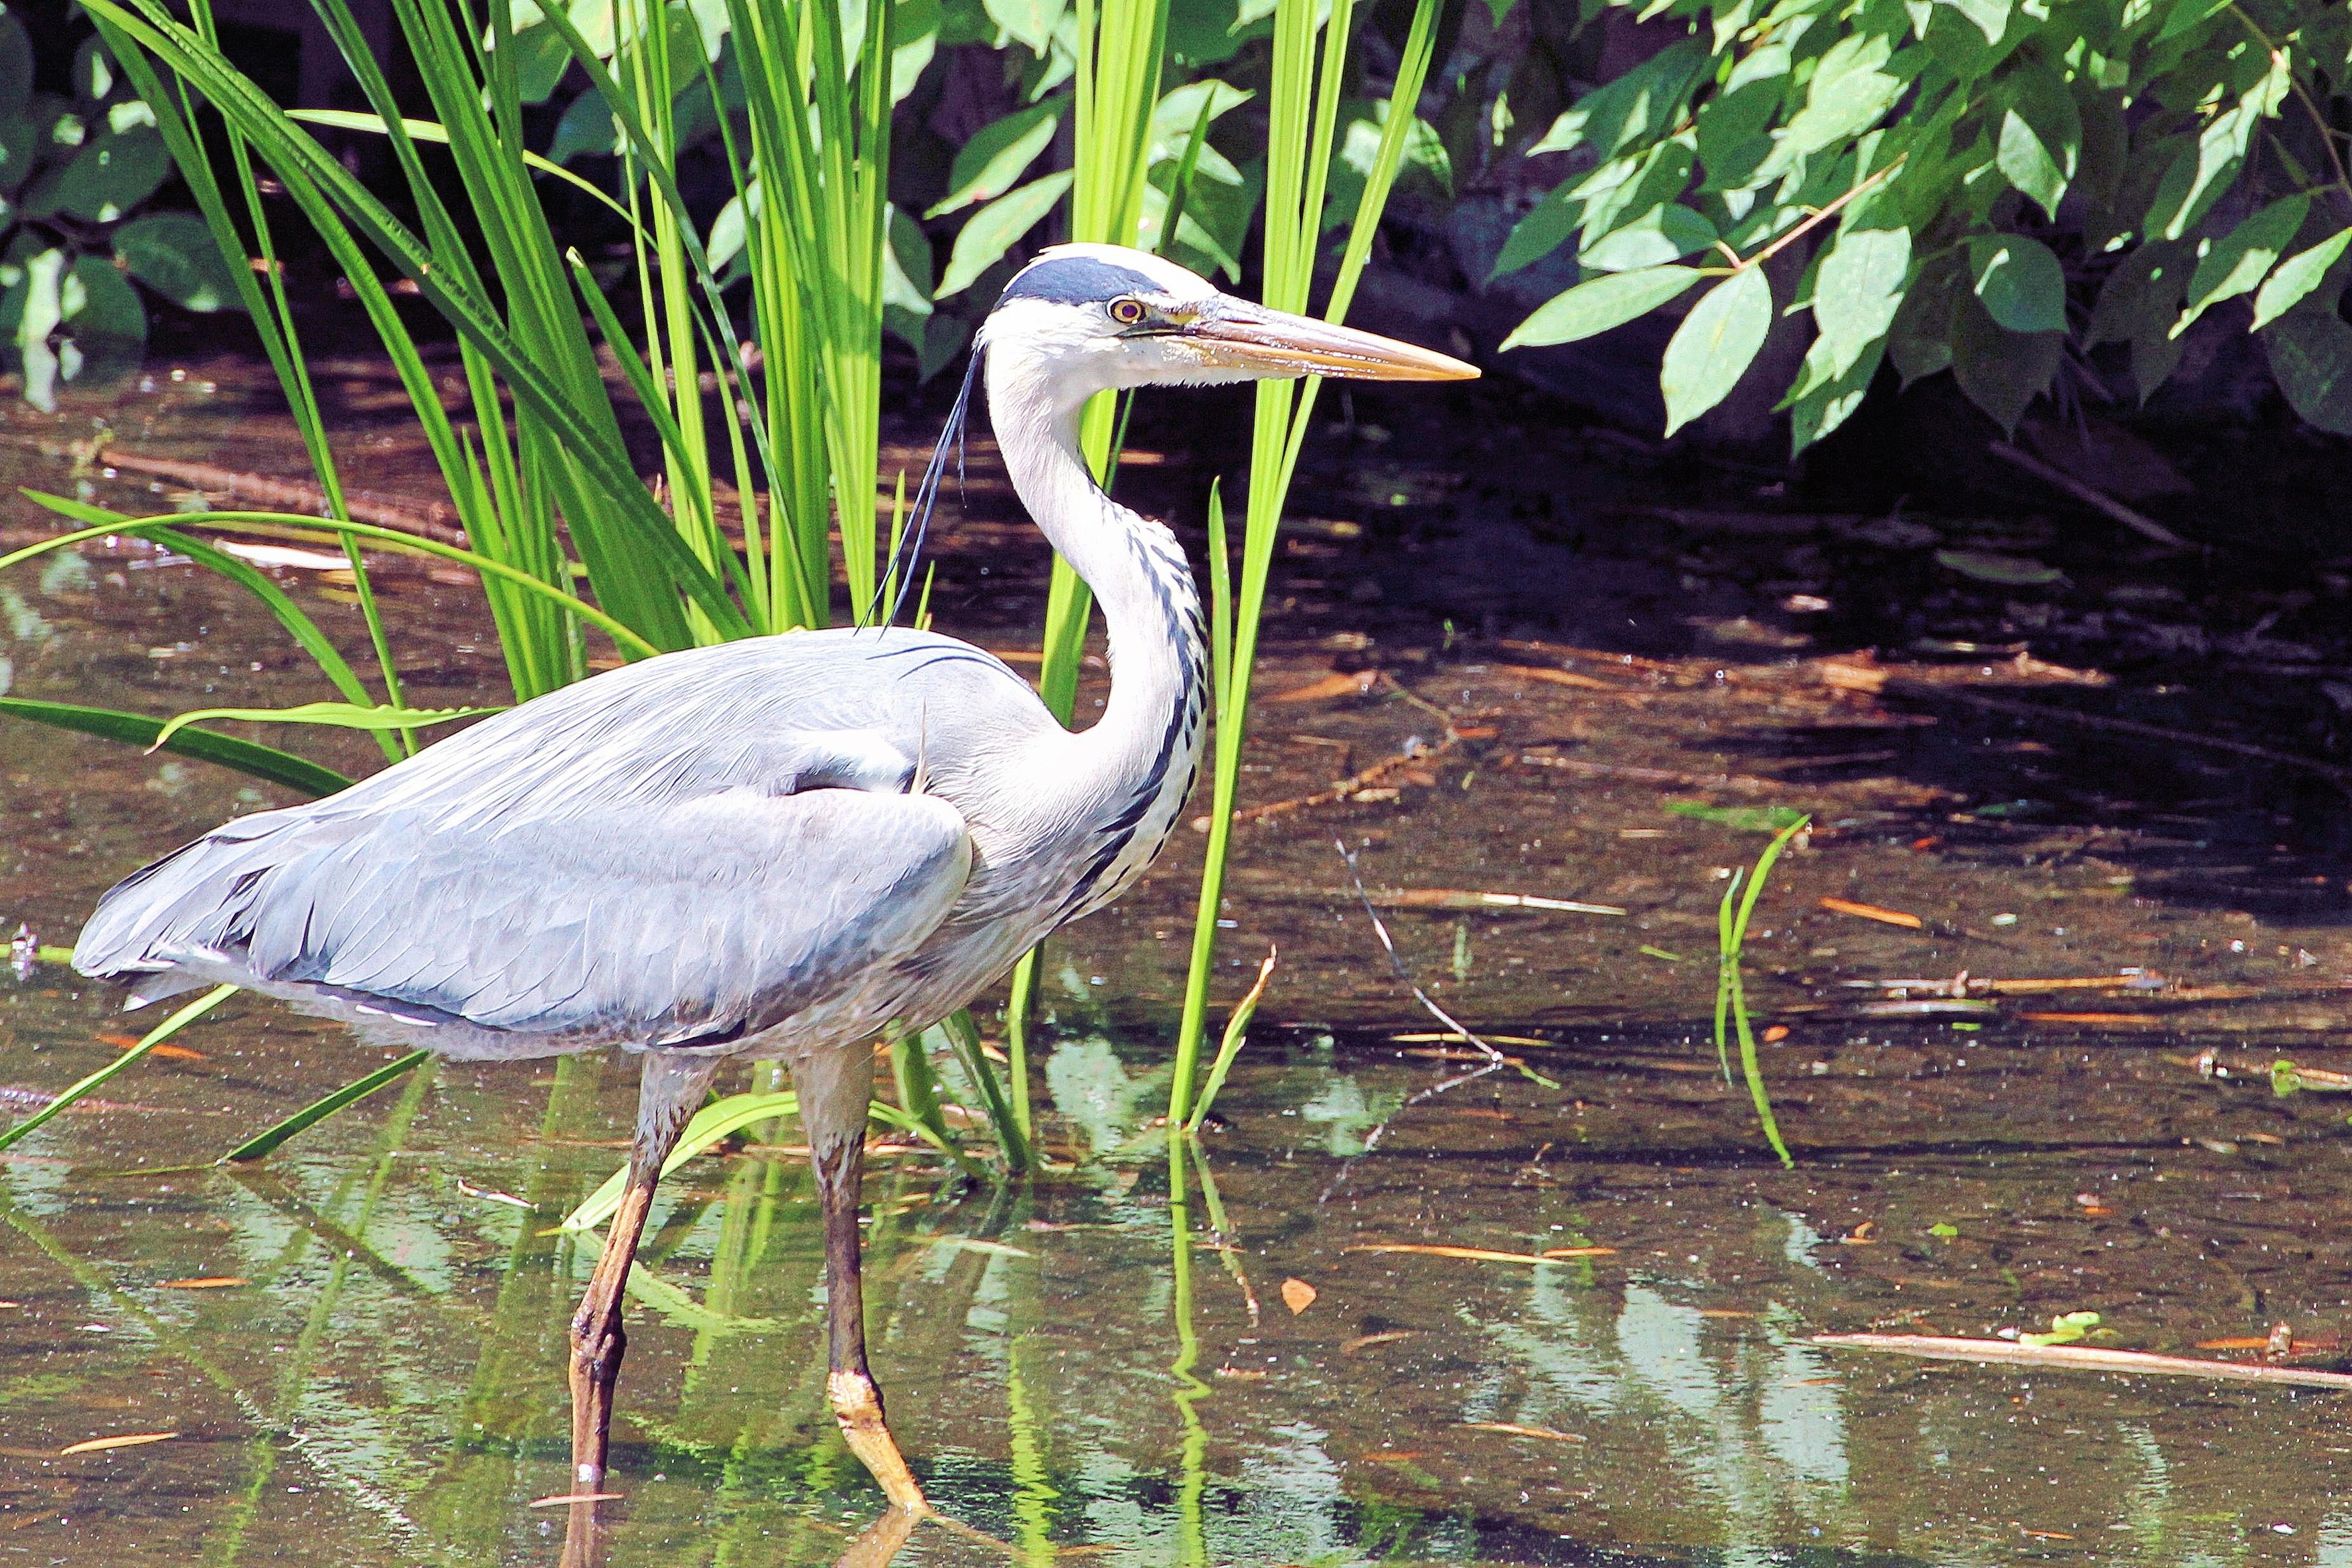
(1303, 112)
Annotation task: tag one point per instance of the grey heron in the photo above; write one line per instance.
(779, 848)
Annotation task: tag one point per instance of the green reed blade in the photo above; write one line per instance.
(1731, 996)
(635, 555)
(918, 1086)
(272, 314)
(393, 538)
(1727, 958)
(153, 1038)
(1299, 154)
(319, 1109)
(1236, 1036)
(963, 1037)
(265, 762)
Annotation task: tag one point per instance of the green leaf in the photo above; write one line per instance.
(2008, 571)
(1826, 396)
(319, 1109)
(380, 719)
(1635, 108)
(2311, 355)
(2297, 275)
(2019, 281)
(16, 64)
(995, 228)
(2041, 137)
(1989, 18)
(587, 128)
(2001, 371)
(112, 172)
(2193, 183)
(1030, 23)
(148, 1042)
(1546, 227)
(1848, 94)
(1920, 340)
(1857, 289)
(719, 1119)
(1713, 346)
(2235, 264)
(998, 155)
(1665, 233)
(2064, 1329)
(259, 761)
(174, 254)
(906, 265)
(100, 303)
(1745, 818)
(1599, 304)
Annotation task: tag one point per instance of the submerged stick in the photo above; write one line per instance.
(2079, 1358)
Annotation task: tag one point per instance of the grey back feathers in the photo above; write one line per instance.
(683, 853)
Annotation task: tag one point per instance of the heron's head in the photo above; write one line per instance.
(1093, 318)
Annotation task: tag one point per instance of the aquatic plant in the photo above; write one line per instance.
(1730, 989)
(1303, 112)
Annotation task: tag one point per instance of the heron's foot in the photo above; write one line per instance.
(857, 1405)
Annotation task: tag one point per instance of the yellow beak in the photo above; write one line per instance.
(1235, 334)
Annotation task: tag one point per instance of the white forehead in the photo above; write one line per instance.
(1077, 274)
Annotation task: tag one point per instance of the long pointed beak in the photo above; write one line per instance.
(1235, 334)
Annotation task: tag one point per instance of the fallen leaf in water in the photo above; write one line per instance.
(2103, 1020)
(1298, 1295)
(1242, 1375)
(1580, 1252)
(1776, 1034)
(131, 1440)
(1333, 685)
(1872, 912)
(2010, 571)
(1557, 677)
(1725, 1313)
(131, 1042)
(2240, 1343)
(1512, 1429)
(1402, 1457)
(561, 1499)
(1366, 1342)
(208, 1282)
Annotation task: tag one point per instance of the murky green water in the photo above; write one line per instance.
(1082, 1368)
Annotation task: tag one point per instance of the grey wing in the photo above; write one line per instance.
(693, 924)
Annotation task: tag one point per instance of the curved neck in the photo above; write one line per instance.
(1133, 564)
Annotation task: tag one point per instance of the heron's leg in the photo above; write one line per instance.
(834, 1088)
(669, 1092)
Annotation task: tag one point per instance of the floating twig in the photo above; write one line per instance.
(2089, 495)
(2079, 1358)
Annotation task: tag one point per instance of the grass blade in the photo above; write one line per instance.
(266, 762)
(153, 1038)
(1731, 993)
(317, 1110)
(963, 1036)
(1236, 1036)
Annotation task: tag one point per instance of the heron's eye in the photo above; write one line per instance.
(1127, 312)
